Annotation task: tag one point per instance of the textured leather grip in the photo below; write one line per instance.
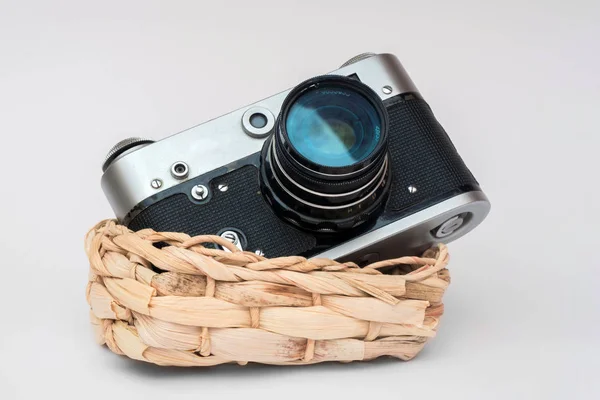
(423, 157)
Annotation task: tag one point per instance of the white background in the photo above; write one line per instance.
(516, 84)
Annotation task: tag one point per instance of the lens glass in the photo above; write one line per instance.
(258, 120)
(333, 126)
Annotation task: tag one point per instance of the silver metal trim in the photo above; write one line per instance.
(331, 207)
(273, 153)
(156, 183)
(414, 233)
(199, 192)
(139, 143)
(234, 238)
(180, 174)
(125, 142)
(449, 227)
(125, 182)
(253, 131)
(358, 58)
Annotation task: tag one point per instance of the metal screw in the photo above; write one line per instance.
(412, 189)
(231, 236)
(156, 183)
(234, 238)
(387, 89)
(259, 252)
(223, 188)
(200, 192)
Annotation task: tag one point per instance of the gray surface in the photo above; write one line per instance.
(516, 85)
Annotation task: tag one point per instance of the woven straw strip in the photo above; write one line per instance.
(202, 306)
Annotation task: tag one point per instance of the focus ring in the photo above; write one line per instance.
(315, 219)
(327, 186)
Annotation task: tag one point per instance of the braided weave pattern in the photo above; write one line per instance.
(209, 306)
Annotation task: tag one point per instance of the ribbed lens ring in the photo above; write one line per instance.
(326, 193)
(316, 211)
(326, 165)
(329, 184)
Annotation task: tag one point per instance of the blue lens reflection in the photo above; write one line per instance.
(333, 127)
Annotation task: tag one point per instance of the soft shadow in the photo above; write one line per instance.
(249, 371)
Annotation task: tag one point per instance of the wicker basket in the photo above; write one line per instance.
(210, 307)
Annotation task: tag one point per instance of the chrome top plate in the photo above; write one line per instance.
(127, 181)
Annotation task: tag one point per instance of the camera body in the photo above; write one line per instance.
(215, 179)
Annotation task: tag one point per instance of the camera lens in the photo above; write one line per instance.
(333, 128)
(326, 165)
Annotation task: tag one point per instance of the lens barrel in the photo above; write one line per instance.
(326, 167)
